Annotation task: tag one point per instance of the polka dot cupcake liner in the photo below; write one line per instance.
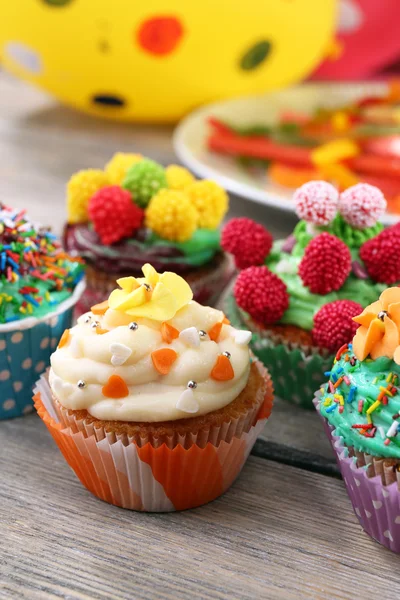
(377, 506)
(25, 349)
(295, 370)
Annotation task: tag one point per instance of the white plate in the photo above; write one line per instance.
(191, 134)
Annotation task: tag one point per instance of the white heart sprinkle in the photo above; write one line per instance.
(357, 511)
(242, 338)
(385, 493)
(368, 514)
(75, 348)
(190, 337)
(358, 482)
(187, 402)
(62, 388)
(120, 353)
(388, 535)
(377, 504)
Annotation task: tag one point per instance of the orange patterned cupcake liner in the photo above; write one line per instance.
(149, 478)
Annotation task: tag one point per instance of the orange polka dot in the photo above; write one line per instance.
(115, 388)
(64, 339)
(163, 360)
(222, 370)
(160, 35)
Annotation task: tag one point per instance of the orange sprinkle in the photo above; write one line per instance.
(100, 309)
(101, 331)
(163, 360)
(115, 388)
(64, 338)
(338, 382)
(168, 333)
(226, 321)
(215, 331)
(222, 370)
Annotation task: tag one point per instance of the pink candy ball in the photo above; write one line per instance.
(316, 202)
(362, 205)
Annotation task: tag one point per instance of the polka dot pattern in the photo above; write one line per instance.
(24, 355)
(160, 36)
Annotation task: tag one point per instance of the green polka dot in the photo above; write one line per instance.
(57, 2)
(255, 55)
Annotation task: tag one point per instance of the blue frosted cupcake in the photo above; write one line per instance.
(39, 286)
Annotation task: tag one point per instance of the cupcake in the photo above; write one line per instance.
(298, 295)
(154, 400)
(360, 408)
(39, 286)
(137, 211)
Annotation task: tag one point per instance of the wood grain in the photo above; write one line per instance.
(280, 532)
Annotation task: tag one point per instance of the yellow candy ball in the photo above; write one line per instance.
(117, 167)
(211, 202)
(80, 189)
(171, 215)
(178, 178)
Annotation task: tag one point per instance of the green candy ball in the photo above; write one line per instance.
(143, 180)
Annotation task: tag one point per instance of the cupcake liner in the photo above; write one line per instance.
(25, 349)
(376, 505)
(149, 478)
(295, 369)
(207, 284)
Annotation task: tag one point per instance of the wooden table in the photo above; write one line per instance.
(286, 528)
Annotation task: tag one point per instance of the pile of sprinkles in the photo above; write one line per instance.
(341, 389)
(30, 254)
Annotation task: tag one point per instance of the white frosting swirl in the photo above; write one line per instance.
(93, 359)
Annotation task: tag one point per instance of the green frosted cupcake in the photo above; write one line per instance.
(298, 295)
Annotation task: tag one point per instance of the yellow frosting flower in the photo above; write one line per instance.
(178, 178)
(211, 202)
(379, 331)
(118, 165)
(80, 188)
(155, 296)
(171, 215)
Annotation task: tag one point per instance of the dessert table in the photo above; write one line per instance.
(286, 528)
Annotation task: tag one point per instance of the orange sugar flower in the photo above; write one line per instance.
(379, 331)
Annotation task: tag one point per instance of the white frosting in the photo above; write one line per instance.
(94, 358)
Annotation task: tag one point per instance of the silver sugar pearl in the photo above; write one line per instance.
(88, 318)
(133, 326)
(192, 384)
(227, 354)
(202, 334)
(382, 314)
(81, 384)
(95, 324)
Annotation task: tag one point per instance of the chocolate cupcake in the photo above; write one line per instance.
(137, 211)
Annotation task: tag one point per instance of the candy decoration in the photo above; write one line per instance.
(215, 332)
(163, 360)
(114, 215)
(248, 241)
(168, 333)
(171, 215)
(222, 370)
(316, 202)
(64, 339)
(326, 264)
(101, 331)
(178, 178)
(226, 321)
(381, 256)
(211, 202)
(187, 402)
(333, 324)
(115, 388)
(120, 354)
(80, 189)
(100, 309)
(190, 336)
(362, 205)
(243, 338)
(262, 294)
(118, 165)
(143, 180)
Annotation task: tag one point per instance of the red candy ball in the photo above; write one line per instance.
(247, 240)
(316, 202)
(381, 256)
(114, 215)
(333, 324)
(261, 294)
(362, 205)
(326, 264)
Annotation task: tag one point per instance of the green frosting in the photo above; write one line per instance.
(365, 380)
(302, 303)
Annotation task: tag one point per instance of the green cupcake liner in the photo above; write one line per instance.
(295, 374)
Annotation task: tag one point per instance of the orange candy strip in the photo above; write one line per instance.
(163, 360)
(222, 370)
(115, 388)
(100, 309)
(168, 333)
(215, 332)
(64, 339)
